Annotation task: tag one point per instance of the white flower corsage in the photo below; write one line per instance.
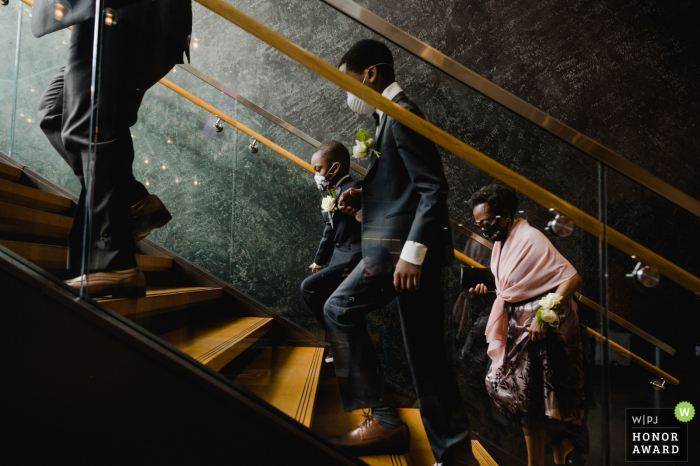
(329, 203)
(547, 313)
(363, 145)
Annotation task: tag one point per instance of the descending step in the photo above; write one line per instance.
(329, 421)
(54, 257)
(16, 194)
(10, 172)
(217, 343)
(287, 378)
(35, 222)
(158, 301)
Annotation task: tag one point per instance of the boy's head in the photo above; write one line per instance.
(330, 161)
(371, 62)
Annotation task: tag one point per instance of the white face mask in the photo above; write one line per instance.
(358, 105)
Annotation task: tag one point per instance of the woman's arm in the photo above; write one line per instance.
(567, 290)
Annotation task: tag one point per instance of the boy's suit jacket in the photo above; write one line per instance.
(404, 194)
(171, 19)
(342, 236)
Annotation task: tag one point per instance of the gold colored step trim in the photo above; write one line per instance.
(159, 301)
(16, 194)
(54, 257)
(9, 172)
(35, 222)
(287, 378)
(217, 343)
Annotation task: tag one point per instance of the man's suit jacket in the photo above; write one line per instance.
(404, 194)
(171, 19)
(342, 236)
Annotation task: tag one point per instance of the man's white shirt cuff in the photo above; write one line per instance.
(414, 252)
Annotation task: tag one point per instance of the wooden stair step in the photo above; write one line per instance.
(10, 172)
(35, 222)
(161, 300)
(287, 378)
(16, 194)
(329, 421)
(482, 455)
(54, 257)
(217, 343)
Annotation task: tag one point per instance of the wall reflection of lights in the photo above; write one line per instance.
(21, 114)
(145, 161)
(132, 136)
(163, 167)
(174, 69)
(195, 43)
(29, 120)
(170, 141)
(31, 90)
(196, 181)
(148, 183)
(177, 180)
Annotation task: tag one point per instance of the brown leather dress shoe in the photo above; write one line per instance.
(148, 215)
(371, 439)
(119, 284)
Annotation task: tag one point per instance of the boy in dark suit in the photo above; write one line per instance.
(341, 242)
(404, 214)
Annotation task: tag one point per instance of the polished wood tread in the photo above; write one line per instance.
(10, 172)
(24, 196)
(161, 300)
(35, 222)
(54, 257)
(482, 455)
(287, 378)
(218, 342)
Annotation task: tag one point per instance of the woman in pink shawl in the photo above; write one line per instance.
(536, 372)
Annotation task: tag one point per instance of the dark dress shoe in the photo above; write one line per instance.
(119, 284)
(148, 215)
(371, 439)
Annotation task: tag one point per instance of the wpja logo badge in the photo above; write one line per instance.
(658, 435)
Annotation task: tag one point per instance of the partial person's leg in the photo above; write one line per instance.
(355, 359)
(317, 288)
(441, 406)
(357, 366)
(534, 439)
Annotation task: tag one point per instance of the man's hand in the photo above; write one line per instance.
(537, 332)
(406, 276)
(350, 201)
(315, 268)
(479, 289)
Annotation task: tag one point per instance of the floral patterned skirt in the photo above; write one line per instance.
(542, 379)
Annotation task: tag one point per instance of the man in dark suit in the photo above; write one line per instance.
(140, 42)
(341, 242)
(404, 216)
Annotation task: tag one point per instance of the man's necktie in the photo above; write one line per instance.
(376, 118)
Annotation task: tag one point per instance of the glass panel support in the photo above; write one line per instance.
(16, 80)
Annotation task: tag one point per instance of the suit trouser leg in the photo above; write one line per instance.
(356, 364)
(65, 116)
(317, 288)
(441, 406)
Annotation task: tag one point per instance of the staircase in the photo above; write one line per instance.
(202, 322)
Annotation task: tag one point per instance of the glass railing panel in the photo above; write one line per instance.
(39, 62)
(8, 55)
(664, 310)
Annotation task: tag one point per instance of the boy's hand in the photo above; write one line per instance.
(479, 289)
(350, 201)
(315, 268)
(406, 276)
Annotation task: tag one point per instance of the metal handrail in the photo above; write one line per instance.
(449, 142)
(509, 101)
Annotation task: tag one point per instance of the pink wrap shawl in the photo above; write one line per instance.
(531, 259)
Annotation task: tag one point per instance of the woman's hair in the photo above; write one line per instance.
(497, 197)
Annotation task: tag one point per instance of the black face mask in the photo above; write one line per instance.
(495, 232)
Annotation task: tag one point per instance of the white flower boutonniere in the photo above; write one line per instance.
(329, 203)
(363, 145)
(547, 313)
